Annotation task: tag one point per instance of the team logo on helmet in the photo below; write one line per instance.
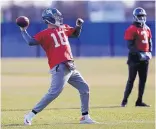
(52, 16)
(139, 15)
(48, 11)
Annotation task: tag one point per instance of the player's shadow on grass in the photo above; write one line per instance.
(111, 106)
(66, 108)
(15, 125)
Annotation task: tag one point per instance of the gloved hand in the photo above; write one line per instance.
(145, 56)
(79, 22)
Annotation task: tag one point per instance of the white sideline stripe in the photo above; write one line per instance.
(128, 121)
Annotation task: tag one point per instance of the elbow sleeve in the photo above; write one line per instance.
(77, 31)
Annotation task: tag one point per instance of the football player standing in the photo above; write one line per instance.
(138, 36)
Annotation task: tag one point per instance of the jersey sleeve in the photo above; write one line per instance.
(39, 37)
(69, 30)
(130, 33)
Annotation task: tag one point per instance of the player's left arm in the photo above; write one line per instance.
(77, 30)
(76, 33)
(150, 45)
(147, 55)
(150, 41)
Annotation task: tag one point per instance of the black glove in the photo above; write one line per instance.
(79, 22)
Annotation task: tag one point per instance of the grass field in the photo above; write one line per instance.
(25, 81)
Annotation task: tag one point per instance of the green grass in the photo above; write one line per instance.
(25, 81)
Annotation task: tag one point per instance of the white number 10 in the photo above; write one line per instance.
(144, 33)
(63, 39)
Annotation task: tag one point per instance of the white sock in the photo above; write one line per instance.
(87, 116)
(31, 115)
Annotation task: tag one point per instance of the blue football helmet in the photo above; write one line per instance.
(52, 16)
(139, 15)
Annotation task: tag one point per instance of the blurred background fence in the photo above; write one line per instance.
(102, 34)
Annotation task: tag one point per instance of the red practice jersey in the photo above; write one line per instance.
(140, 36)
(55, 43)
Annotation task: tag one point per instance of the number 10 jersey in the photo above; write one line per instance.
(55, 43)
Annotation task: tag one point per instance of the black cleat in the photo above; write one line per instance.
(141, 104)
(124, 103)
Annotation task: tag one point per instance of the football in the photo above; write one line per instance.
(22, 21)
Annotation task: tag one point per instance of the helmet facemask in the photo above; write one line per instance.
(140, 19)
(139, 15)
(58, 20)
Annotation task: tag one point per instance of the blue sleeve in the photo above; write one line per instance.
(77, 32)
(31, 41)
